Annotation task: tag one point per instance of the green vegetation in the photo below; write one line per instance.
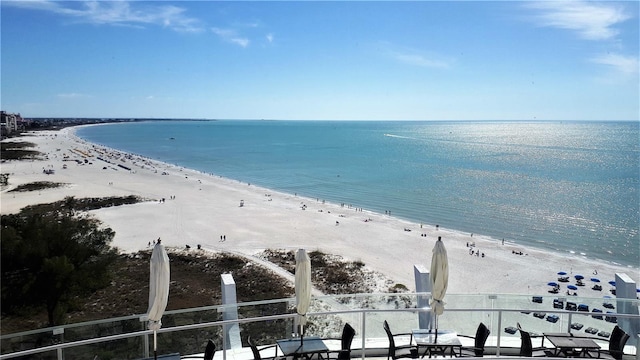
(52, 256)
(37, 185)
(329, 273)
(398, 288)
(16, 151)
(49, 258)
(85, 204)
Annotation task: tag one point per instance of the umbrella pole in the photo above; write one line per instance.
(436, 340)
(155, 345)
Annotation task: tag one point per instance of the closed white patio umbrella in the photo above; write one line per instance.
(158, 290)
(303, 288)
(439, 277)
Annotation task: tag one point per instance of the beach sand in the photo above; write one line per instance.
(199, 208)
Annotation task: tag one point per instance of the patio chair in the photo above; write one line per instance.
(256, 351)
(616, 345)
(527, 349)
(400, 351)
(482, 333)
(345, 348)
(209, 351)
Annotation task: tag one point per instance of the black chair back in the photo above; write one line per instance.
(210, 350)
(348, 334)
(254, 349)
(392, 343)
(526, 348)
(617, 342)
(482, 334)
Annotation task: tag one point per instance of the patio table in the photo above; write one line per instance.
(307, 348)
(568, 345)
(446, 343)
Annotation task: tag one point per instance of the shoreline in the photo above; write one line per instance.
(207, 207)
(536, 223)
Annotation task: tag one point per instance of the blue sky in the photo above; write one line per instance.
(475, 60)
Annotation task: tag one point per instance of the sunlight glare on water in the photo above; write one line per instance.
(564, 186)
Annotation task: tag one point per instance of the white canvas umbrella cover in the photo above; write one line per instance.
(303, 285)
(158, 289)
(439, 276)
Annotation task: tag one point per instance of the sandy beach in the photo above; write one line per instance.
(187, 207)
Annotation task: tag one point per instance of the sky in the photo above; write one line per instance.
(323, 60)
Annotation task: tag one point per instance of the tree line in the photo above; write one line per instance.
(50, 255)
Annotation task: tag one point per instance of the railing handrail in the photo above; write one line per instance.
(222, 323)
(271, 301)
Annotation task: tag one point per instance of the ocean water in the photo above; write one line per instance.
(568, 187)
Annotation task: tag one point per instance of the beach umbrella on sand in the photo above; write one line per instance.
(158, 291)
(439, 277)
(303, 288)
(551, 283)
(572, 287)
(562, 273)
(612, 283)
(595, 280)
(579, 277)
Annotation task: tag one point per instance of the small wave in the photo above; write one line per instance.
(398, 136)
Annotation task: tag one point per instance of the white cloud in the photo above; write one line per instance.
(73, 96)
(421, 60)
(591, 20)
(269, 38)
(230, 35)
(413, 56)
(621, 63)
(121, 13)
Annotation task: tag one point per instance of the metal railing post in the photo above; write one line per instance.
(145, 338)
(364, 333)
(59, 331)
(499, 327)
(224, 343)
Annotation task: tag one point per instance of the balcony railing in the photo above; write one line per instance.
(186, 331)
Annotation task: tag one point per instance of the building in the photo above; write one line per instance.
(9, 123)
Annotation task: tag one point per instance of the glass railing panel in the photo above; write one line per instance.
(46, 355)
(96, 330)
(466, 322)
(188, 318)
(11, 344)
(193, 341)
(31, 341)
(365, 312)
(266, 332)
(397, 308)
(129, 348)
